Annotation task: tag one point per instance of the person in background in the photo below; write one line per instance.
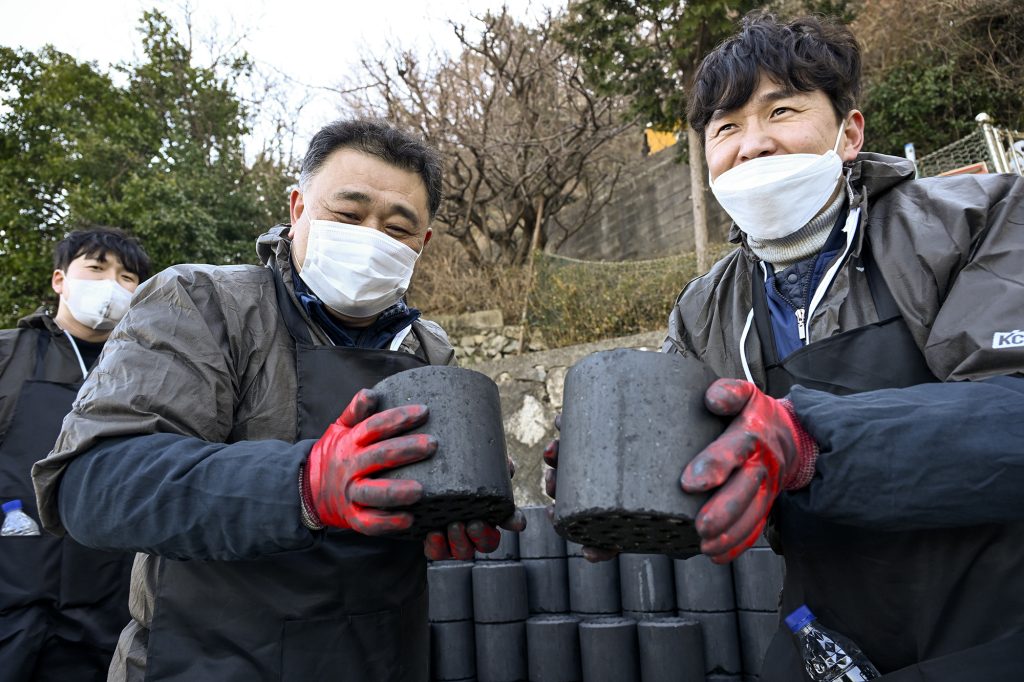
(230, 437)
(62, 605)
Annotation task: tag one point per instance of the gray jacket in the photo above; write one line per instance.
(202, 352)
(950, 249)
(203, 355)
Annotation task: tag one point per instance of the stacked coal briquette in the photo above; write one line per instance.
(535, 609)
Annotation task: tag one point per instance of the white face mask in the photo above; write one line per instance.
(97, 303)
(356, 271)
(774, 196)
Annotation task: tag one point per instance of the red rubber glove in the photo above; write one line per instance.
(360, 443)
(591, 554)
(764, 450)
(463, 540)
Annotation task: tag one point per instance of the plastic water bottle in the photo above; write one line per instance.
(17, 522)
(828, 656)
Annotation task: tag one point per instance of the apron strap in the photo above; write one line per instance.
(292, 319)
(42, 343)
(885, 304)
(762, 318)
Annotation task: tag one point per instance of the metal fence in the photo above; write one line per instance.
(989, 149)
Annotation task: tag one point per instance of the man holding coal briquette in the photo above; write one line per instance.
(867, 332)
(230, 437)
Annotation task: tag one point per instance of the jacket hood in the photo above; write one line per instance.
(878, 172)
(274, 244)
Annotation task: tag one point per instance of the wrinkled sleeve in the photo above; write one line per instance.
(708, 320)
(928, 456)
(184, 498)
(942, 454)
(150, 426)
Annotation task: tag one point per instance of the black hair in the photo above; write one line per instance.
(97, 242)
(806, 54)
(382, 139)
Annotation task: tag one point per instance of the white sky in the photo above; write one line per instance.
(314, 42)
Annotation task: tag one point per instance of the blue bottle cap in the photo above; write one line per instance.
(8, 507)
(799, 618)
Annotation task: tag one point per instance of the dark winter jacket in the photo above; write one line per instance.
(941, 462)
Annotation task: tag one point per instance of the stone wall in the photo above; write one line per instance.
(650, 215)
(530, 383)
(483, 336)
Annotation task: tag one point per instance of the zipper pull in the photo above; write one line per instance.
(800, 330)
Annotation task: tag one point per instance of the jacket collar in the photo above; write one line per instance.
(274, 245)
(40, 319)
(877, 173)
(274, 248)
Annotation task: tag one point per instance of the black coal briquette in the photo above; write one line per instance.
(467, 478)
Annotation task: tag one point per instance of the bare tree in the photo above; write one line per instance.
(527, 144)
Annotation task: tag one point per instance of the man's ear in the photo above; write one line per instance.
(296, 208)
(853, 135)
(57, 282)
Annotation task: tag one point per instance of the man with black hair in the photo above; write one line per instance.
(62, 605)
(863, 320)
(216, 443)
(867, 332)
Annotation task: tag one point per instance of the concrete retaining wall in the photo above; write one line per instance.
(650, 215)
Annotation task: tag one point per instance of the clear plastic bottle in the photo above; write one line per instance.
(17, 522)
(828, 656)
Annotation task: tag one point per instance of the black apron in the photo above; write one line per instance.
(925, 605)
(352, 608)
(62, 605)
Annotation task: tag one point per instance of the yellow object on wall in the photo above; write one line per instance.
(659, 139)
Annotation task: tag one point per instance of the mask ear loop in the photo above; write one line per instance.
(61, 295)
(839, 137)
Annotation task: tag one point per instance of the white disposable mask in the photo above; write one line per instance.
(774, 196)
(356, 271)
(97, 303)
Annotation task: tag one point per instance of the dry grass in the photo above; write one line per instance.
(448, 283)
(572, 302)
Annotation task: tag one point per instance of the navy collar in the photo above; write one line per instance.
(378, 335)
